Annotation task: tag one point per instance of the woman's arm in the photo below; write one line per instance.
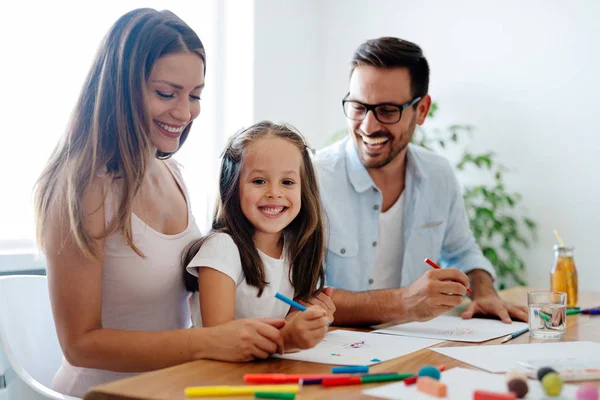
(75, 285)
(217, 306)
(217, 297)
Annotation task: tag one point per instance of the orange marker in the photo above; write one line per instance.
(430, 386)
(435, 266)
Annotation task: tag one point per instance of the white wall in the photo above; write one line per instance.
(288, 64)
(523, 73)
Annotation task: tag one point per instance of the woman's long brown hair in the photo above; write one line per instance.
(110, 125)
(304, 237)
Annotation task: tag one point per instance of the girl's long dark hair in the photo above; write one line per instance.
(304, 236)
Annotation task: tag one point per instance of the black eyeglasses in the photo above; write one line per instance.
(386, 113)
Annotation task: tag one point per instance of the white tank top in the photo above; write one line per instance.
(141, 294)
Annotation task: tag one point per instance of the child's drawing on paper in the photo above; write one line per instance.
(347, 345)
(341, 347)
(455, 328)
(457, 332)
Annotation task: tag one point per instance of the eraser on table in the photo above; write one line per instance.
(411, 381)
(485, 395)
(351, 369)
(543, 371)
(518, 386)
(552, 384)
(431, 386)
(430, 371)
(514, 374)
(587, 392)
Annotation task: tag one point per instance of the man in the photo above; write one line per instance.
(391, 204)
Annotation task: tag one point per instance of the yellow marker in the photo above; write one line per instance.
(213, 391)
(560, 241)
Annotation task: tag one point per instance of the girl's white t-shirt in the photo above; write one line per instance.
(220, 253)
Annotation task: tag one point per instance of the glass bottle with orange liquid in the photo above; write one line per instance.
(563, 277)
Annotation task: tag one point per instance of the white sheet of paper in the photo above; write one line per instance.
(461, 383)
(455, 329)
(504, 357)
(342, 347)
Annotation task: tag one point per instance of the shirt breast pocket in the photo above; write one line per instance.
(429, 239)
(341, 262)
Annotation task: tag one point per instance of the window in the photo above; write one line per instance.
(48, 48)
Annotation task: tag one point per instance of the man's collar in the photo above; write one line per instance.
(357, 173)
(359, 176)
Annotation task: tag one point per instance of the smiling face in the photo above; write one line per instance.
(174, 88)
(270, 185)
(379, 144)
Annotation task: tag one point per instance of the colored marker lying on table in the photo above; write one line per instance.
(434, 265)
(514, 335)
(546, 317)
(350, 369)
(288, 378)
(367, 378)
(214, 391)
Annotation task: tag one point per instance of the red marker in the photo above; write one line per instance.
(435, 266)
(350, 380)
(288, 378)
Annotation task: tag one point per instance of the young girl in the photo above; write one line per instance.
(267, 237)
(113, 214)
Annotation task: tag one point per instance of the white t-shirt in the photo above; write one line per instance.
(387, 273)
(220, 253)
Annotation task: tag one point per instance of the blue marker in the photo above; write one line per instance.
(291, 302)
(350, 369)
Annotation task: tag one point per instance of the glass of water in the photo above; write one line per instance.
(547, 314)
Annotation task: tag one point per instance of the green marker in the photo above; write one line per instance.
(273, 395)
(546, 317)
(384, 378)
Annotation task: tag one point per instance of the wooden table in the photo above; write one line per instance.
(170, 383)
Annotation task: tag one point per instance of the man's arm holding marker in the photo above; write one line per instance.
(434, 293)
(460, 250)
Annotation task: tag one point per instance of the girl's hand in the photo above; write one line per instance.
(324, 301)
(245, 339)
(305, 329)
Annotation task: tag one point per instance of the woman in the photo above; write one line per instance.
(113, 214)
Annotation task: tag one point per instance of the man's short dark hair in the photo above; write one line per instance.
(391, 52)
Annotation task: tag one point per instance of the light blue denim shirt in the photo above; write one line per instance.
(435, 221)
